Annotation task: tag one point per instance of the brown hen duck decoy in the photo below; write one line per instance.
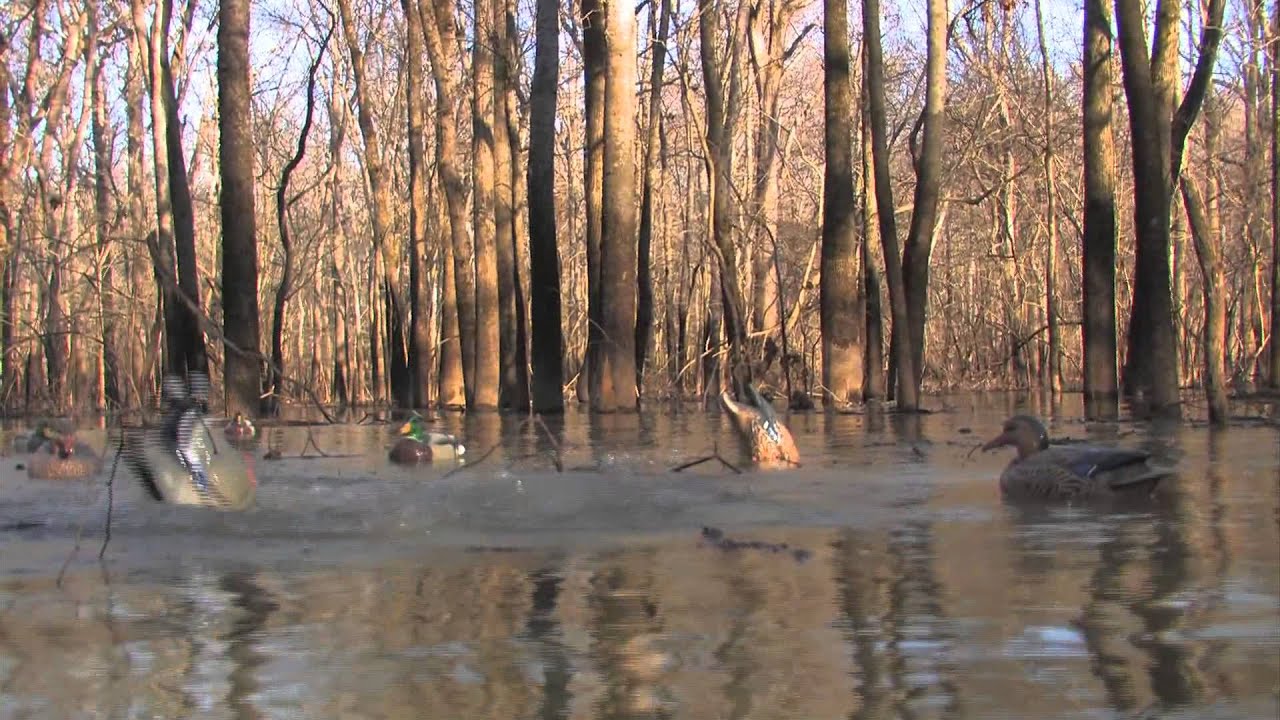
(1070, 472)
(57, 455)
(768, 440)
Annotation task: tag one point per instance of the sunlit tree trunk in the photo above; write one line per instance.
(661, 19)
(1159, 127)
(544, 282)
(108, 385)
(873, 385)
(593, 69)
(919, 243)
(458, 318)
(242, 373)
(488, 331)
(908, 392)
(1274, 57)
(614, 386)
(514, 390)
(841, 319)
(420, 351)
(1099, 241)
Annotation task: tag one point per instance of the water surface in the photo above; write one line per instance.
(886, 579)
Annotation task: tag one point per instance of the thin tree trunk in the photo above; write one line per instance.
(908, 392)
(1274, 57)
(1204, 232)
(614, 386)
(842, 324)
(107, 386)
(544, 260)
(644, 297)
(1099, 234)
(1051, 214)
(513, 394)
(419, 335)
(241, 374)
(873, 385)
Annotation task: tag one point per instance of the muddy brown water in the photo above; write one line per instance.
(883, 579)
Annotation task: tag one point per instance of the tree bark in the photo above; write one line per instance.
(908, 392)
(1099, 235)
(420, 350)
(644, 296)
(1274, 57)
(924, 216)
(614, 386)
(593, 70)
(873, 385)
(1205, 232)
(458, 318)
(513, 390)
(485, 393)
(242, 374)
(108, 386)
(842, 323)
(544, 260)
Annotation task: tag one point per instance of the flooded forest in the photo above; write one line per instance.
(522, 204)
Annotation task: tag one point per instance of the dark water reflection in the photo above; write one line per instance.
(511, 590)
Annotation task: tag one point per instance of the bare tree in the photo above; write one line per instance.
(841, 312)
(485, 392)
(1274, 57)
(593, 73)
(1099, 230)
(544, 283)
(614, 386)
(419, 335)
(661, 19)
(242, 372)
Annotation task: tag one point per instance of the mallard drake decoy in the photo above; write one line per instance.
(55, 454)
(418, 445)
(768, 439)
(178, 460)
(239, 428)
(1070, 472)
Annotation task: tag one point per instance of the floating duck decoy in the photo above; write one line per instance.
(416, 444)
(768, 439)
(1070, 472)
(240, 429)
(55, 454)
(178, 460)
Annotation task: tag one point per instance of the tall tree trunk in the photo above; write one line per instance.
(544, 260)
(8, 249)
(723, 102)
(1274, 57)
(1159, 133)
(184, 224)
(458, 318)
(873, 385)
(1051, 214)
(108, 386)
(614, 386)
(511, 395)
(242, 378)
(384, 244)
(593, 71)
(919, 244)
(1202, 214)
(485, 392)
(1099, 234)
(519, 224)
(908, 392)
(419, 334)
(842, 323)
(644, 296)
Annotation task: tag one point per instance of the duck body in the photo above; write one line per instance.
(1042, 471)
(240, 429)
(768, 440)
(418, 445)
(178, 461)
(55, 454)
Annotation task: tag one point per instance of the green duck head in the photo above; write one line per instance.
(415, 428)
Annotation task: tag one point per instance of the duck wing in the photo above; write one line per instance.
(1119, 467)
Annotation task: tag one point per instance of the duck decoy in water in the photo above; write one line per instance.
(416, 444)
(768, 439)
(1070, 472)
(178, 460)
(239, 429)
(55, 454)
